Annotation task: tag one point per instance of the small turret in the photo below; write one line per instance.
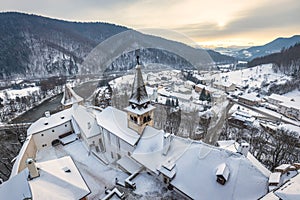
(33, 170)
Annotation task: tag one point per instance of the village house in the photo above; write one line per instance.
(250, 99)
(290, 109)
(276, 99)
(225, 86)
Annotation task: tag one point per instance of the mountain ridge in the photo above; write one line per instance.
(37, 46)
(274, 46)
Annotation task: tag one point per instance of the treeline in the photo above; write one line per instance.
(287, 61)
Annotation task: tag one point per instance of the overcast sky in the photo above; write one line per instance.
(207, 22)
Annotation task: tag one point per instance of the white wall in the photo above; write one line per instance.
(44, 138)
(114, 145)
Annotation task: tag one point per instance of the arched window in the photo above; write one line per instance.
(145, 119)
(135, 119)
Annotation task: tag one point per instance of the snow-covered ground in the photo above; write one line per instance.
(253, 76)
(12, 94)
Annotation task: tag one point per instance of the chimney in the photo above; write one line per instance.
(33, 170)
(244, 148)
(166, 143)
(47, 114)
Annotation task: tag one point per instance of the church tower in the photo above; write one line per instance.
(139, 111)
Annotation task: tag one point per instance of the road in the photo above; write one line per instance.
(267, 114)
(215, 129)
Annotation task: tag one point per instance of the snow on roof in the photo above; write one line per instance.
(139, 111)
(222, 170)
(150, 145)
(291, 104)
(16, 187)
(86, 121)
(290, 127)
(274, 177)
(290, 190)
(196, 170)
(59, 179)
(283, 167)
(233, 146)
(250, 96)
(224, 83)
(129, 164)
(279, 98)
(70, 97)
(45, 123)
(115, 121)
(243, 116)
(270, 196)
(196, 164)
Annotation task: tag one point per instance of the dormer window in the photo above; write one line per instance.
(46, 123)
(62, 117)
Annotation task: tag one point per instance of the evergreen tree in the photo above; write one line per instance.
(202, 96)
(177, 102)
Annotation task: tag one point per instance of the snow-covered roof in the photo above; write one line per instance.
(196, 165)
(274, 177)
(233, 146)
(139, 110)
(250, 96)
(292, 104)
(290, 127)
(290, 190)
(279, 98)
(86, 121)
(283, 167)
(70, 97)
(243, 116)
(16, 188)
(224, 83)
(45, 123)
(59, 179)
(115, 121)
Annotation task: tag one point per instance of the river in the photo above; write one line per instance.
(53, 104)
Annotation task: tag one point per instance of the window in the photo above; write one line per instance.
(42, 134)
(53, 131)
(66, 125)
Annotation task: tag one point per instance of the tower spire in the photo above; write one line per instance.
(139, 94)
(139, 111)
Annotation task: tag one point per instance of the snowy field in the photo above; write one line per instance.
(12, 94)
(253, 76)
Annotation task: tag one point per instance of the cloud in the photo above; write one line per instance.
(275, 16)
(198, 19)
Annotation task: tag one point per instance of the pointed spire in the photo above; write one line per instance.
(70, 97)
(139, 94)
